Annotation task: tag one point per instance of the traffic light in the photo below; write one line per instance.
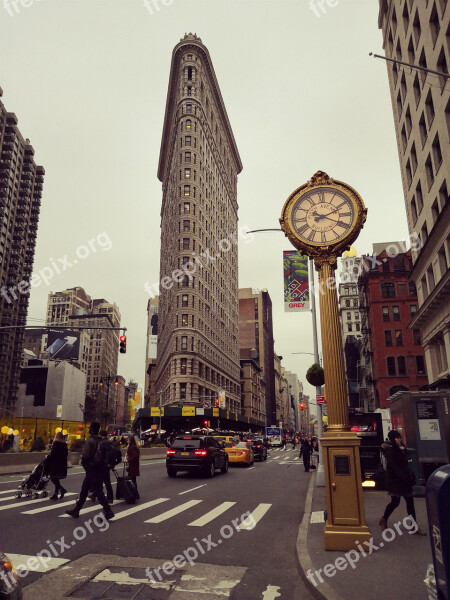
(123, 344)
(302, 406)
(206, 423)
(116, 381)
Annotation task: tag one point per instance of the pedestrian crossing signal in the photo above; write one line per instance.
(123, 344)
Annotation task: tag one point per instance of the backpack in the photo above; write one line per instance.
(107, 454)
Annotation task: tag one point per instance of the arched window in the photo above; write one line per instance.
(188, 123)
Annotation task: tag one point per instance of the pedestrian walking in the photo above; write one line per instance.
(56, 465)
(93, 478)
(133, 456)
(399, 478)
(108, 461)
(305, 451)
(294, 442)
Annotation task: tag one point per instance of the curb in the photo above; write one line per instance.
(326, 592)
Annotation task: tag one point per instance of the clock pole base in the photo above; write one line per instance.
(340, 537)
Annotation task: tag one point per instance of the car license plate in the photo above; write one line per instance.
(185, 454)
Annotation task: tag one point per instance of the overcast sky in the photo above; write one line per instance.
(88, 81)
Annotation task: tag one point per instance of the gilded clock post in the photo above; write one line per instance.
(321, 219)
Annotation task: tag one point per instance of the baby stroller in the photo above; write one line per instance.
(34, 485)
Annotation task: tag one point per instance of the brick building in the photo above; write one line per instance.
(393, 352)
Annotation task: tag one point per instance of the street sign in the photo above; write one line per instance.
(207, 403)
(320, 399)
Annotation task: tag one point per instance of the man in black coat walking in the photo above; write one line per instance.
(94, 475)
(306, 451)
(399, 478)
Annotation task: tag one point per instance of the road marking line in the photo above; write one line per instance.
(276, 457)
(192, 489)
(21, 560)
(212, 514)
(173, 512)
(251, 521)
(35, 511)
(134, 509)
(96, 506)
(8, 498)
(19, 503)
(8, 491)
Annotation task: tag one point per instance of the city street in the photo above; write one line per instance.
(246, 520)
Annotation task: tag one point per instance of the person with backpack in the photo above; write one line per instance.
(91, 460)
(108, 457)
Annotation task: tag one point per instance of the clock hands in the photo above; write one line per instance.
(318, 216)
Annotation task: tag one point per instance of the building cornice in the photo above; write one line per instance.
(436, 300)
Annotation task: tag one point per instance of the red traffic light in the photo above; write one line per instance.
(122, 344)
(302, 406)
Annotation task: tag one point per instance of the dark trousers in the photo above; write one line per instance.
(133, 479)
(57, 484)
(395, 501)
(93, 481)
(106, 479)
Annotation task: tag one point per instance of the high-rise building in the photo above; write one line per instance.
(198, 349)
(21, 182)
(99, 346)
(417, 33)
(256, 333)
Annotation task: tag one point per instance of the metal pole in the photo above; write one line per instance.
(160, 402)
(320, 478)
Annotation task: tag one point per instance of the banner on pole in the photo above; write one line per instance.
(296, 282)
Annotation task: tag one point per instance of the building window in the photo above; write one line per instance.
(350, 327)
(398, 337)
(437, 154)
(186, 207)
(182, 391)
(385, 312)
(184, 320)
(420, 364)
(388, 290)
(390, 361)
(396, 313)
(412, 310)
(388, 338)
(183, 366)
(189, 108)
(184, 300)
(188, 124)
(358, 327)
(412, 288)
(416, 337)
(401, 362)
(187, 173)
(186, 225)
(347, 303)
(185, 281)
(185, 243)
(349, 316)
(184, 342)
(187, 190)
(189, 73)
(187, 157)
(187, 140)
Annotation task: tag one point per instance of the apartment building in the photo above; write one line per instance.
(21, 182)
(416, 32)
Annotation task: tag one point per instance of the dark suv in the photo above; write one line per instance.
(259, 449)
(196, 453)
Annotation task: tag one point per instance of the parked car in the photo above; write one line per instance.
(259, 449)
(10, 587)
(240, 452)
(196, 453)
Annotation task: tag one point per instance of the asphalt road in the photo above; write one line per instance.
(187, 514)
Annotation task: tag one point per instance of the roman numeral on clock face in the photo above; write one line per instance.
(323, 237)
(342, 224)
(303, 228)
(300, 220)
(346, 214)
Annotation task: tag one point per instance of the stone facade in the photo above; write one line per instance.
(198, 349)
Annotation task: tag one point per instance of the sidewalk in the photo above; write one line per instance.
(397, 569)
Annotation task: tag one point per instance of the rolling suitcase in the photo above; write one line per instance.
(125, 488)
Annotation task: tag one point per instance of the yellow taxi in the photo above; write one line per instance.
(228, 439)
(239, 452)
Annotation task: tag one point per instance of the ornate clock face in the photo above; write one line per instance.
(323, 216)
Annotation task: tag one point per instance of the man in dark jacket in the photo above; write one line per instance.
(94, 477)
(305, 451)
(105, 467)
(399, 478)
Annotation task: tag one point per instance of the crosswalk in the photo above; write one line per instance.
(175, 508)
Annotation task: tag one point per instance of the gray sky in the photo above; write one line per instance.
(88, 80)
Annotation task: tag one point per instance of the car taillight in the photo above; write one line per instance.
(200, 452)
(243, 452)
(258, 446)
(169, 451)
